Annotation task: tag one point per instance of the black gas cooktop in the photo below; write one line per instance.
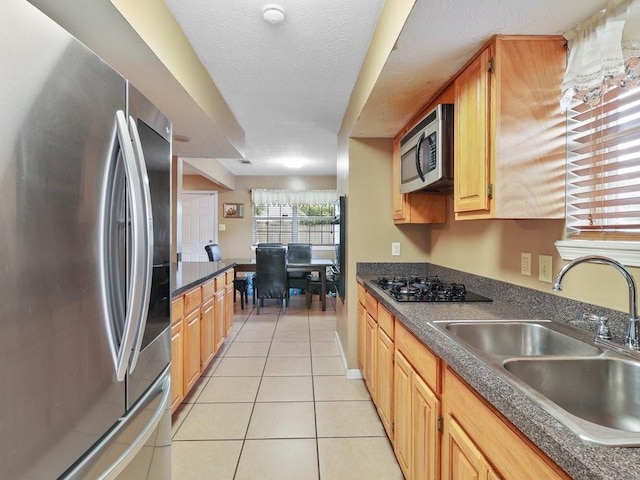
(427, 289)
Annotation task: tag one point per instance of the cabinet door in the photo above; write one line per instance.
(207, 345)
(362, 322)
(472, 133)
(218, 319)
(177, 353)
(461, 459)
(384, 380)
(425, 408)
(228, 311)
(402, 413)
(371, 342)
(191, 349)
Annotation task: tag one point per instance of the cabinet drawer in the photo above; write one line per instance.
(425, 362)
(177, 310)
(192, 300)
(229, 276)
(208, 289)
(371, 304)
(220, 282)
(385, 321)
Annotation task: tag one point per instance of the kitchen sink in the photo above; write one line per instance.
(518, 338)
(598, 397)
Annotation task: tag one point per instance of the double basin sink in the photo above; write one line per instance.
(593, 391)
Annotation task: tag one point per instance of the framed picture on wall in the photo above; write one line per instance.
(233, 210)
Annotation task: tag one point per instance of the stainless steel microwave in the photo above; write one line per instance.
(426, 152)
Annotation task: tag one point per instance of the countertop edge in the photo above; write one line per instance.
(579, 459)
(188, 275)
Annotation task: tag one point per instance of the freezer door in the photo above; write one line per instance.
(58, 388)
(139, 448)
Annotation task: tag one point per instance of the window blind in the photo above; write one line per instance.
(603, 169)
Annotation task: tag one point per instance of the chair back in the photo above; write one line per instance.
(213, 252)
(270, 245)
(271, 272)
(299, 253)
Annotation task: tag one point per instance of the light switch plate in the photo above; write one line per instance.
(395, 249)
(222, 227)
(545, 268)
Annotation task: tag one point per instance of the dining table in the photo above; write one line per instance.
(318, 265)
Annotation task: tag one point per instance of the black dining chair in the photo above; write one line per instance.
(298, 253)
(271, 276)
(239, 284)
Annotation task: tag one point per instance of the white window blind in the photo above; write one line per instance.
(603, 170)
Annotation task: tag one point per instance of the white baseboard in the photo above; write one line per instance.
(352, 373)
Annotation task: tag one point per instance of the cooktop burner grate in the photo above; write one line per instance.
(427, 289)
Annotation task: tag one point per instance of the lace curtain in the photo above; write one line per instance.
(293, 197)
(604, 53)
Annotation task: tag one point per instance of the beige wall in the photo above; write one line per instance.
(490, 248)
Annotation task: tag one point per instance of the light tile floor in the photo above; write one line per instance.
(275, 404)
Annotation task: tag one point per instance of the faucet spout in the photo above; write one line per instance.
(632, 338)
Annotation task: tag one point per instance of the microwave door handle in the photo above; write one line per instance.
(418, 163)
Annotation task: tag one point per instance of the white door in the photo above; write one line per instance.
(199, 220)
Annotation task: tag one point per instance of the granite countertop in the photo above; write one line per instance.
(186, 275)
(578, 458)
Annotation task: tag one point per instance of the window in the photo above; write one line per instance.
(294, 217)
(603, 167)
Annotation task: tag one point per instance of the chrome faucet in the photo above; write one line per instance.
(632, 338)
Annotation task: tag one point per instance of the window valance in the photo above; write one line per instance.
(604, 53)
(293, 197)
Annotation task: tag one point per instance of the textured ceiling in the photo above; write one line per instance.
(288, 85)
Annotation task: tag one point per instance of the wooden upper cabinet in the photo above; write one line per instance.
(509, 131)
(418, 207)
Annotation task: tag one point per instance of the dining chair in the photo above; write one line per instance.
(213, 252)
(271, 276)
(298, 253)
(239, 284)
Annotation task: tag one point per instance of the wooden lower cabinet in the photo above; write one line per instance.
(177, 352)
(191, 357)
(384, 380)
(440, 428)
(201, 318)
(461, 459)
(207, 342)
(370, 346)
(219, 323)
(228, 305)
(477, 438)
(416, 436)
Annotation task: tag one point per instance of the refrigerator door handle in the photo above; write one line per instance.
(146, 248)
(137, 268)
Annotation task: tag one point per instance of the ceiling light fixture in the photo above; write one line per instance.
(293, 163)
(181, 138)
(273, 14)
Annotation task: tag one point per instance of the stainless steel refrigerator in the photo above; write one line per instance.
(84, 262)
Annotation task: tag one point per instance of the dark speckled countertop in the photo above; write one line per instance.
(186, 275)
(578, 458)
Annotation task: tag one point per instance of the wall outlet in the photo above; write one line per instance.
(395, 249)
(545, 268)
(525, 264)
